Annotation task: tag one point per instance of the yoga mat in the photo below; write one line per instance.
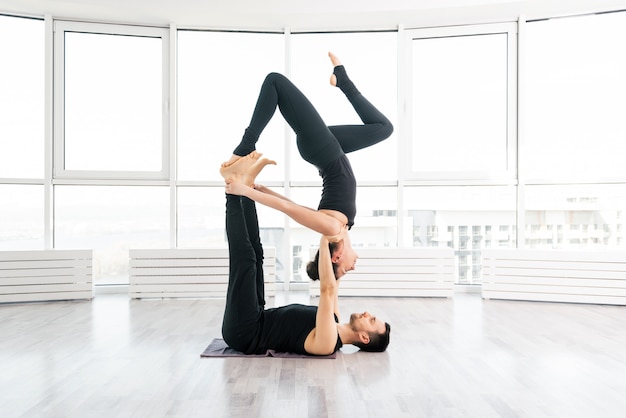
(218, 348)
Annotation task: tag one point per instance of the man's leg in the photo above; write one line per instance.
(252, 224)
(243, 310)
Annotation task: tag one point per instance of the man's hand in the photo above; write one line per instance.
(260, 188)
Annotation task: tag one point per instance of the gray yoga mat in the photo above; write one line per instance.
(218, 348)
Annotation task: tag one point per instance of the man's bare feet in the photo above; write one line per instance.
(244, 169)
(234, 158)
(237, 165)
(250, 176)
(335, 61)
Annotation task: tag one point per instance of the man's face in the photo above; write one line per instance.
(345, 258)
(367, 322)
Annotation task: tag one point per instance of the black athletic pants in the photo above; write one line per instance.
(245, 300)
(318, 144)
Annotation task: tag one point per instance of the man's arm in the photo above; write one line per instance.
(336, 306)
(323, 339)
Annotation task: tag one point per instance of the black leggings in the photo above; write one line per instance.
(318, 144)
(245, 301)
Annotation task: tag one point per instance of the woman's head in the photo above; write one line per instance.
(343, 258)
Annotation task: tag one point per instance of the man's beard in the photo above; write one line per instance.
(353, 319)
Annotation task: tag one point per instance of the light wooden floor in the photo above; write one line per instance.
(461, 357)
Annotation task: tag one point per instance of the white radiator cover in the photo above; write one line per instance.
(597, 277)
(45, 275)
(188, 273)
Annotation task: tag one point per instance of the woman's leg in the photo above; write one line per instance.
(243, 310)
(376, 127)
(316, 143)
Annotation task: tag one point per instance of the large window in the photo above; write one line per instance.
(461, 128)
(461, 102)
(572, 152)
(22, 98)
(575, 99)
(111, 92)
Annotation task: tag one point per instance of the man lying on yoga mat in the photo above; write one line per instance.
(250, 328)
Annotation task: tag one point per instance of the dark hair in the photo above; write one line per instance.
(378, 342)
(312, 268)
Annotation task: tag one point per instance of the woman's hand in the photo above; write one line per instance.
(237, 188)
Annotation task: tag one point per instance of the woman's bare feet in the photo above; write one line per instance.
(335, 61)
(244, 169)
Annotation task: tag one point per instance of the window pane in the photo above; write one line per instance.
(576, 216)
(219, 77)
(575, 98)
(22, 97)
(201, 217)
(114, 102)
(375, 224)
(484, 219)
(111, 220)
(21, 217)
(459, 104)
(371, 62)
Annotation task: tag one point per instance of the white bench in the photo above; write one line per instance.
(187, 273)
(555, 275)
(45, 275)
(415, 272)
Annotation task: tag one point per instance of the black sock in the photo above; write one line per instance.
(247, 144)
(343, 81)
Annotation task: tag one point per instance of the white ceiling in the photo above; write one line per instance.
(298, 15)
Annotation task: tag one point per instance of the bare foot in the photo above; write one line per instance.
(335, 61)
(250, 175)
(234, 158)
(244, 169)
(237, 166)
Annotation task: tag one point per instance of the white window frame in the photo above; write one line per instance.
(60, 28)
(507, 176)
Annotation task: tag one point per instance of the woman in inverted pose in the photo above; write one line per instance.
(323, 146)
